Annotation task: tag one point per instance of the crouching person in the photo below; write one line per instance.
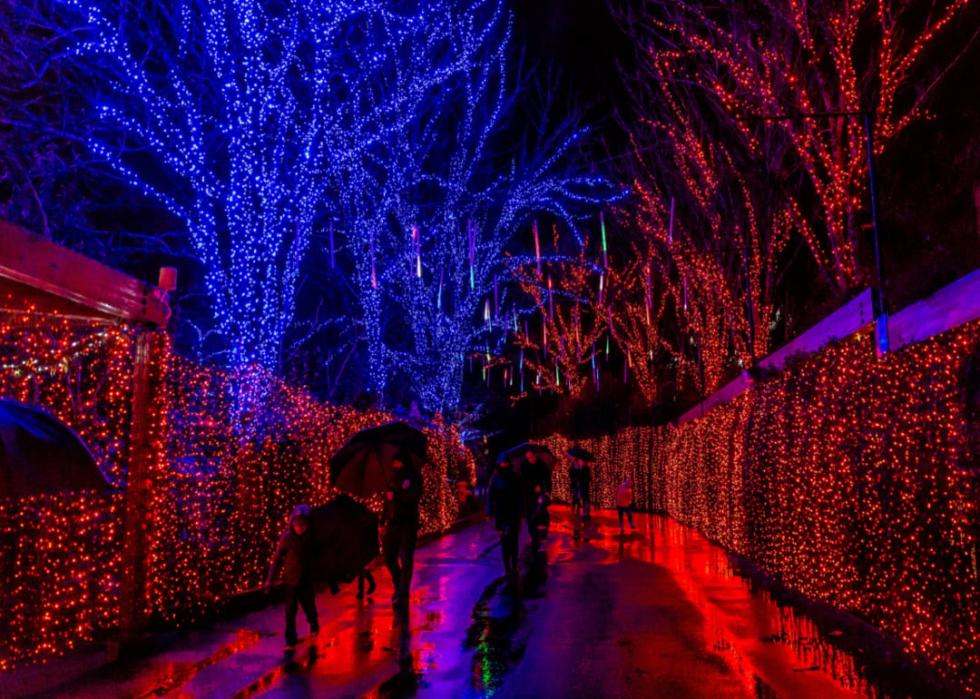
(295, 553)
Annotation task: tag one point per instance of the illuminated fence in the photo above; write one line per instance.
(851, 479)
(215, 495)
(222, 498)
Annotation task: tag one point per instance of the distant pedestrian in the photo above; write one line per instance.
(401, 525)
(506, 504)
(624, 502)
(580, 479)
(296, 554)
(536, 479)
(585, 488)
(573, 486)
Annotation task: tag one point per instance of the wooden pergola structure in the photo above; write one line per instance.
(36, 272)
(38, 275)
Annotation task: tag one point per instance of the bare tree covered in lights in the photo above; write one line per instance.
(559, 341)
(226, 113)
(806, 73)
(642, 297)
(702, 219)
(432, 189)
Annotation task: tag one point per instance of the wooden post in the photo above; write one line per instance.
(146, 388)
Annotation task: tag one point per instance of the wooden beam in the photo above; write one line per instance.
(63, 273)
(950, 307)
(844, 322)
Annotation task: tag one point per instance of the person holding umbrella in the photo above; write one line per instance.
(506, 504)
(296, 553)
(400, 524)
(536, 479)
(387, 459)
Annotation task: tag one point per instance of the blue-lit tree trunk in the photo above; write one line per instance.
(423, 196)
(222, 110)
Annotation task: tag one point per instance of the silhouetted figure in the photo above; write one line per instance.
(296, 553)
(362, 577)
(580, 478)
(536, 478)
(624, 502)
(506, 505)
(401, 525)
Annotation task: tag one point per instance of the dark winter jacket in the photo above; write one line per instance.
(406, 486)
(294, 553)
(505, 500)
(536, 474)
(580, 478)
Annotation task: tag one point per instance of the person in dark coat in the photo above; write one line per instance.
(295, 552)
(580, 481)
(536, 479)
(574, 487)
(506, 506)
(585, 489)
(400, 523)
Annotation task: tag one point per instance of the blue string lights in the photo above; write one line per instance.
(223, 110)
(426, 208)
(256, 122)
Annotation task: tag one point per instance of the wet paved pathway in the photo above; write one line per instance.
(655, 613)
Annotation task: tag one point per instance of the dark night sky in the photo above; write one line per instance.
(582, 40)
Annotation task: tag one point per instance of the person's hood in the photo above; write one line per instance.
(300, 511)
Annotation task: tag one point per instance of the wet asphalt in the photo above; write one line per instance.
(656, 612)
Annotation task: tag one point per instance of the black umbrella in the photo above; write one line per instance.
(346, 536)
(41, 454)
(516, 455)
(362, 467)
(581, 454)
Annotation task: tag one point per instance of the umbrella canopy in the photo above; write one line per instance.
(581, 454)
(346, 536)
(40, 454)
(362, 467)
(516, 455)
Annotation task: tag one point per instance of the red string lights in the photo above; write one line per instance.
(807, 72)
(848, 478)
(219, 488)
(568, 298)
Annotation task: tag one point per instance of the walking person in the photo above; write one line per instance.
(362, 577)
(624, 502)
(536, 479)
(574, 469)
(506, 504)
(295, 552)
(585, 488)
(401, 525)
(580, 476)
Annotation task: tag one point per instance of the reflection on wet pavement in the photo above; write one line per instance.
(656, 612)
